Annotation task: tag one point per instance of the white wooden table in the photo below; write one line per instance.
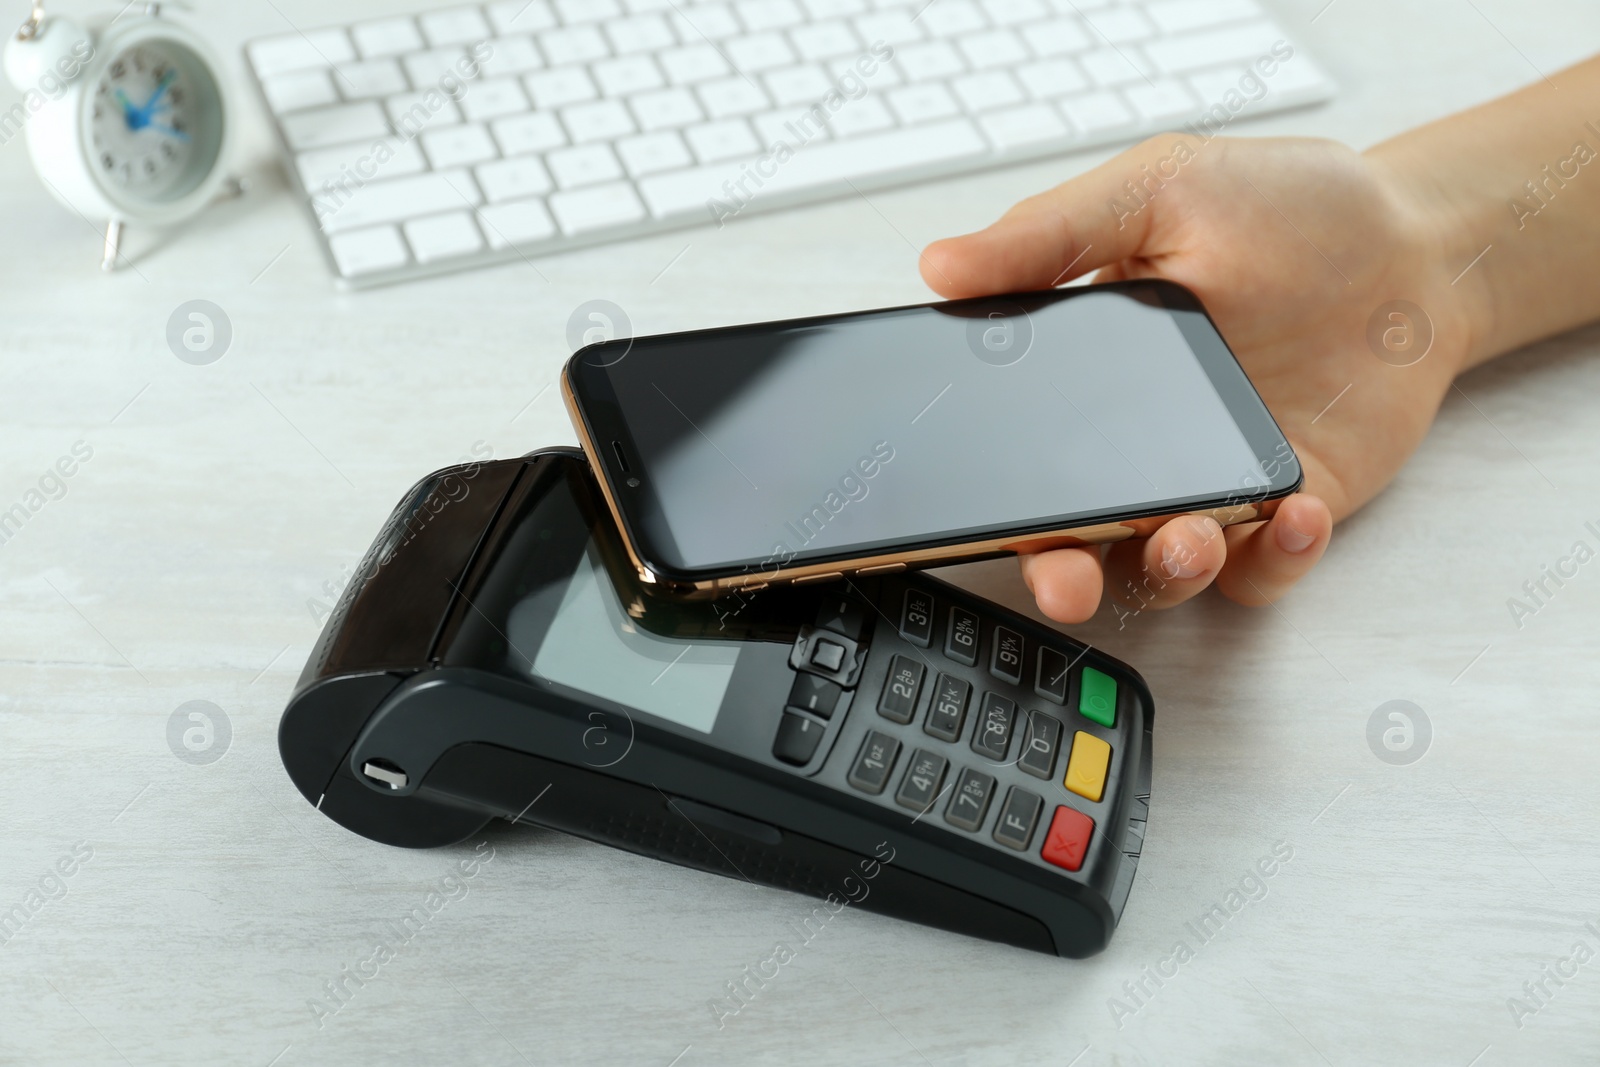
(208, 905)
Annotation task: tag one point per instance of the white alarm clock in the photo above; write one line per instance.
(128, 117)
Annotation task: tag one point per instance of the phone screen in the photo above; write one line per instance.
(833, 438)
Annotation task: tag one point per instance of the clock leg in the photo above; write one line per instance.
(108, 260)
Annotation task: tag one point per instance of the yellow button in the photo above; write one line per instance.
(1087, 766)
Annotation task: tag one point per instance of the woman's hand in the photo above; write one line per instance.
(1294, 246)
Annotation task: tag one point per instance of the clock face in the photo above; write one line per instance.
(151, 122)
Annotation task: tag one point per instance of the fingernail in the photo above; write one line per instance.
(1178, 560)
(1293, 540)
(1203, 527)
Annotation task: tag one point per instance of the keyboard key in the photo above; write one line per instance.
(1180, 55)
(1087, 766)
(584, 165)
(455, 146)
(1067, 841)
(321, 126)
(891, 27)
(873, 763)
(1018, 816)
(396, 199)
(797, 740)
(442, 236)
(996, 719)
(558, 87)
(759, 51)
(599, 120)
(439, 68)
(816, 695)
(666, 109)
(916, 618)
(1097, 112)
(692, 63)
(768, 14)
(1005, 655)
(997, 48)
(933, 59)
(865, 115)
(596, 208)
(512, 56)
(970, 802)
(456, 25)
(961, 639)
(411, 113)
(1097, 697)
(716, 141)
(987, 91)
(1058, 37)
(725, 97)
(1050, 677)
(521, 16)
(1163, 100)
(1109, 67)
(898, 702)
(641, 33)
(350, 165)
(1052, 77)
(920, 786)
(1012, 12)
(513, 179)
(297, 51)
(825, 40)
(373, 78)
(792, 126)
(1120, 25)
(573, 11)
(632, 74)
(493, 97)
(652, 153)
(923, 103)
(952, 18)
(1181, 16)
(948, 709)
(367, 251)
(705, 22)
(516, 222)
(520, 134)
(573, 44)
(1040, 745)
(302, 89)
(386, 37)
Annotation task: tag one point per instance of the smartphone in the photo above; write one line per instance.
(867, 443)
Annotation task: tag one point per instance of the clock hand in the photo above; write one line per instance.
(132, 114)
(150, 104)
(169, 131)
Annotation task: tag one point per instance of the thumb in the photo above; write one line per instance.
(1079, 226)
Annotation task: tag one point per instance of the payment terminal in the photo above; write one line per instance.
(493, 657)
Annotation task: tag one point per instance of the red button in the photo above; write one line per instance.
(1068, 839)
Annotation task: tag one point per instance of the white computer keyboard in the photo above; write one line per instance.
(477, 134)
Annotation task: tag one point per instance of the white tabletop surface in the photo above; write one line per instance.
(215, 903)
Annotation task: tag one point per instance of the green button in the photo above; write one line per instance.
(1097, 697)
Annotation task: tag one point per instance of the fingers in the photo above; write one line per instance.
(1047, 239)
(1065, 582)
(1266, 558)
(1175, 563)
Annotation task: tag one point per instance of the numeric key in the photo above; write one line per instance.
(948, 709)
(874, 762)
(961, 639)
(992, 736)
(920, 786)
(899, 700)
(970, 801)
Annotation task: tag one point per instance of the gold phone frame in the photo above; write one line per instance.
(1253, 509)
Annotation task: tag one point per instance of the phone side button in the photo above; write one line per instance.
(882, 568)
(814, 579)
